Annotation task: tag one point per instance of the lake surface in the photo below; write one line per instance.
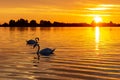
(82, 53)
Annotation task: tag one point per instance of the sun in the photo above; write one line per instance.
(97, 19)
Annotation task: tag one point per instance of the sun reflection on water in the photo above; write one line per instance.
(97, 37)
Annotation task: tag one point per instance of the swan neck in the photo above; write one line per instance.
(38, 49)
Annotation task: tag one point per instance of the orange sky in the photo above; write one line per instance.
(60, 10)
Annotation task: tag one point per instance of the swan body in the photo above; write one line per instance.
(32, 42)
(44, 52)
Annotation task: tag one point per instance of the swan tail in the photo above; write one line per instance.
(53, 50)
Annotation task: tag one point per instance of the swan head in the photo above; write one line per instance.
(37, 38)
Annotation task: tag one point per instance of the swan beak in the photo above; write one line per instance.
(38, 39)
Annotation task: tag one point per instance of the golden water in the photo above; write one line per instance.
(82, 53)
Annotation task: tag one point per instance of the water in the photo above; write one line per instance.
(82, 53)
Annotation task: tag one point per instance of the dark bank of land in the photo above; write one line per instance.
(44, 23)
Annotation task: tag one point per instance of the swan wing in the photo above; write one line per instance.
(46, 51)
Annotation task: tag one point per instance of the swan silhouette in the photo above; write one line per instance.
(32, 42)
(44, 52)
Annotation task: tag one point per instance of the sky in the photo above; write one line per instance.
(60, 10)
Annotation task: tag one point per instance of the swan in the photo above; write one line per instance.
(32, 42)
(44, 52)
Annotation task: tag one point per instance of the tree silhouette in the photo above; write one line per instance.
(12, 23)
(5, 24)
(22, 23)
(44, 23)
(33, 23)
(93, 23)
(58, 24)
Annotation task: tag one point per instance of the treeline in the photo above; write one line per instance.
(42, 23)
(103, 24)
(25, 23)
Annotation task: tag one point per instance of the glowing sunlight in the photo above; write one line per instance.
(97, 19)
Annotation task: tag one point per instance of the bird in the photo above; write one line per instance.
(32, 42)
(44, 52)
